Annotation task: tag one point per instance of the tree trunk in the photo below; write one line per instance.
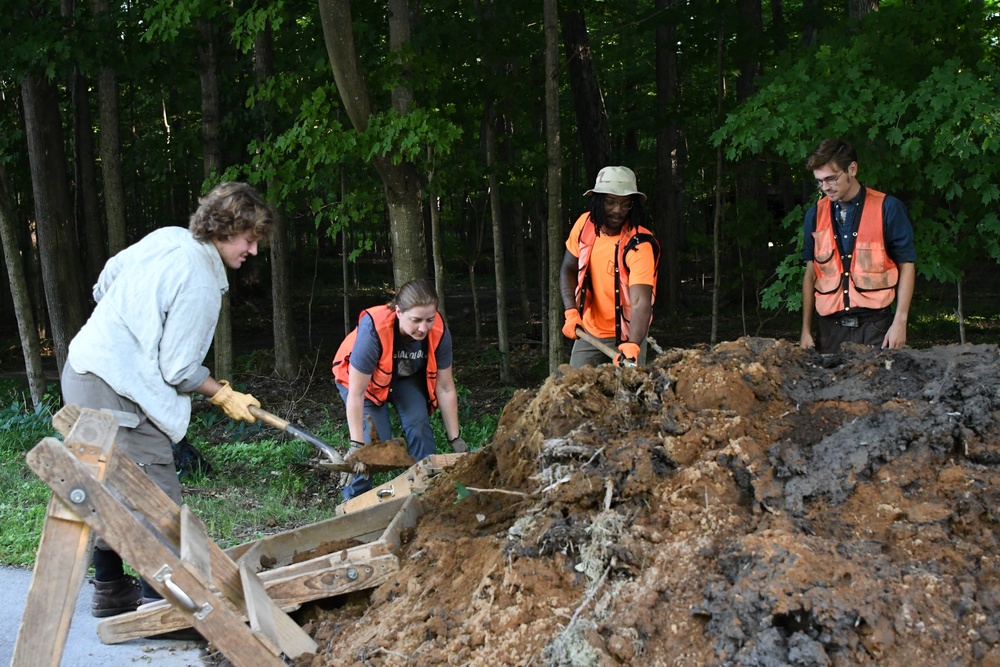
(211, 167)
(348, 320)
(812, 19)
(717, 218)
(211, 110)
(88, 207)
(520, 260)
(669, 175)
(31, 346)
(286, 359)
(588, 101)
(553, 153)
(858, 9)
(751, 188)
(498, 250)
(401, 181)
(62, 274)
(437, 240)
(110, 147)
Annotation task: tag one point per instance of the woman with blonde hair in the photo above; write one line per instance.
(400, 353)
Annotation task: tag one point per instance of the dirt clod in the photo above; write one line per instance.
(748, 504)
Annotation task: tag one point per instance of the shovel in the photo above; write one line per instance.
(600, 345)
(296, 432)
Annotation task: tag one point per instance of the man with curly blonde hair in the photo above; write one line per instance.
(143, 348)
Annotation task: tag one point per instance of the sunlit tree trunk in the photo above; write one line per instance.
(31, 347)
(401, 181)
(553, 152)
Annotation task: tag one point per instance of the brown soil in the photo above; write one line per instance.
(748, 504)
(382, 455)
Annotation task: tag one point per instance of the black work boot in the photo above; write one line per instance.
(115, 597)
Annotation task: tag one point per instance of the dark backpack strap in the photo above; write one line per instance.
(634, 242)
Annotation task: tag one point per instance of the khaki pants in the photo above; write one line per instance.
(145, 444)
(585, 354)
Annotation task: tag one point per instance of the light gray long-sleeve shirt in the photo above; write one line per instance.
(158, 303)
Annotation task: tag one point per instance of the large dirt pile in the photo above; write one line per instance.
(752, 504)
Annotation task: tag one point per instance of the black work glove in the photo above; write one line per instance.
(458, 445)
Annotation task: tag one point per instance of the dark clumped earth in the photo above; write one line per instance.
(751, 503)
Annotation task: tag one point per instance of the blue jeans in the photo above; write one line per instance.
(409, 398)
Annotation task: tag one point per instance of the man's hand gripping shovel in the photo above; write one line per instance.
(603, 347)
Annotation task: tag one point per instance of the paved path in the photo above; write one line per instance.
(83, 648)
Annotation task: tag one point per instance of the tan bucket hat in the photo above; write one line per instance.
(618, 181)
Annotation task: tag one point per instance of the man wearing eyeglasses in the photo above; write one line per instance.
(859, 256)
(608, 274)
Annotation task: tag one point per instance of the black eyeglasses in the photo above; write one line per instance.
(610, 205)
(829, 180)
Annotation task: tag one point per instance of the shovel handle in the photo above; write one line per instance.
(602, 346)
(268, 418)
(294, 431)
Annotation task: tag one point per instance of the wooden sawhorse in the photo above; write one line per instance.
(170, 550)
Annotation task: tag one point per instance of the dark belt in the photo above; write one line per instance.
(855, 321)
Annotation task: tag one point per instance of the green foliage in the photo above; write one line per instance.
(406, 138)
(23, 497)
(923, 113)
(260, 455)
(462, 492)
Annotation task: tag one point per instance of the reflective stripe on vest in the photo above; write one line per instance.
(863, 276)
(384, 319)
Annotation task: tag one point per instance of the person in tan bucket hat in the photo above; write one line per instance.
(608, 274)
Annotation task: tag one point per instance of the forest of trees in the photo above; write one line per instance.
(455, 138)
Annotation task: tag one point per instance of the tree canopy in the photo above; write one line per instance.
(658, 85)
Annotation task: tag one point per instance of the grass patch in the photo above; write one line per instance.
(258, 485)
(23, 497)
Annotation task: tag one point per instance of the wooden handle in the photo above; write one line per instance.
(601, 345)
(268, 418)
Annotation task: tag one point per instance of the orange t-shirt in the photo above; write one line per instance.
(599, 313)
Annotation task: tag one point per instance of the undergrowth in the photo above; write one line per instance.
(254, 483)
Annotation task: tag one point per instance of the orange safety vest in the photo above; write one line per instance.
(862, 277)
(628, 240)
(384, 318)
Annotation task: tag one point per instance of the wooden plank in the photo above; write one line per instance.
(354, 557)
(104, 513)
(62, 557)
(259, 607)
(163, 515)
(332, 582)
(370, 559)
(194, 543)
(152, 619)
(414, 480)
(284, 546)
(406, 518)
